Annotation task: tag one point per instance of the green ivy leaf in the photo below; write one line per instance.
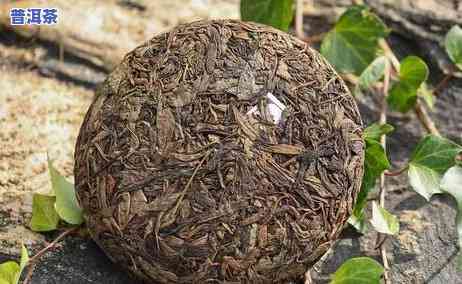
(358, 222)
(357, 218)
(23, 262)
(375, 162)
(24, 257)
(452, 183)
(66, 201)
(383, 221)
(435, 152)
(353, 43)
(8, 272)
(424, 180)
(44, 216)
(453, 44)
(403, 95)
(372, 74)
(427, 96)
(430, 159)
(375, 130)
(359, 270)
(275, 13)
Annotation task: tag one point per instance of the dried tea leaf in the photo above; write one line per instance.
(138, 202)
(246, 84)
(244, 124)
(163, 203)
(123, 210)
(222, 143)
(285, 149)
(181, 97)
(166, 127)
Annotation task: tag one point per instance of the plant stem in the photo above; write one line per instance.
(53, 243)
(442, 84)
(425, 119)
(308, 279)
(375, 197)
(314, 38)
(419, 109)
(396, 173)
(383, 141)
(33, 260)
(299, 19)
(29, 273)
(389, 53)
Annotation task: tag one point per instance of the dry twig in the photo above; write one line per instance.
(33, 260)
(299, 20)
(383, 120)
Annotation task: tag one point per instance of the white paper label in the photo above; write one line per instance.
(275, 108)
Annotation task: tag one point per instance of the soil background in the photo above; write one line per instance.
(46, 89)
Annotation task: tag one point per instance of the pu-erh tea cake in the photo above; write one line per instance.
(219, 152)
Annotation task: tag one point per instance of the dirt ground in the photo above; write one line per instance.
(42, 107)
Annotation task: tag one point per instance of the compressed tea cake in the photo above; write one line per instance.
(219, 152)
